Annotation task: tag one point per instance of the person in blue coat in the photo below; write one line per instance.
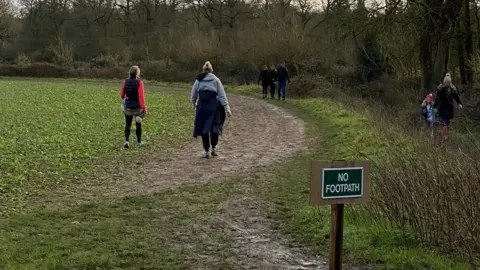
(429, 112)
(211, 106)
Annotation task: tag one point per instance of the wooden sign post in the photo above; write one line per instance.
(336, 183)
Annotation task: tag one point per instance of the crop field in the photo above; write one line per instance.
(53, 132)
(72, 198)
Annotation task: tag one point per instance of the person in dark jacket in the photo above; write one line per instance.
(211, 109)
(264, 79)
(444, 103)
(272, 75)
(132, 94)
(283, 78)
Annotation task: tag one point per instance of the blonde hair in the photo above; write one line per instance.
(134, 72)
(447, 80)
(272, 67)
(426, 102)
(207, 67)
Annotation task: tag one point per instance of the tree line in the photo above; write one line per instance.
(407, 39)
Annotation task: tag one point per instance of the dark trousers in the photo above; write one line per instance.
(128, 125)
(272, 89)
(210, 139)
(282, 89)
(264, 90)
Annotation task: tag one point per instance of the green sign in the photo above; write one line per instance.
(338, 183)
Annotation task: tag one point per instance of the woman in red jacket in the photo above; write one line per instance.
(133, 95)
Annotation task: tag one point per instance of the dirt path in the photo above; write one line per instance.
(258, 135)
(256, 245)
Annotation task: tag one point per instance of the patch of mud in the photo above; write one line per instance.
(256, 246)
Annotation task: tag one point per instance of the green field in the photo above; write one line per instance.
(56, 133)
(53, 132)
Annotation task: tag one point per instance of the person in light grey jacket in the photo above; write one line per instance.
(211, 109)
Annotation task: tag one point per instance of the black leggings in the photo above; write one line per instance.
(272, 89)
(128, 125)
(264, 89)
(210, 138)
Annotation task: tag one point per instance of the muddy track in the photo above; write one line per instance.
(256, 136)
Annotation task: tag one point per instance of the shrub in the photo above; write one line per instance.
(371, 63)
(46, 70)
(238, 72)
(304, 86)
(107, 60)
(22, 60)
(110, 72)
(83, 69)
(62, 53)
(433, 195)
(166, 71)
(9, 71)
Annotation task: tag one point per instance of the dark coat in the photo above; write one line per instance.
(272, 76)
(210, 114)
(444, 102)
(264, 78)
(282, 74)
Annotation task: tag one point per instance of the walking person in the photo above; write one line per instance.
(428, 113)
(444, 103)
(264, 79)
(211, 109)
(132, 93)
(283, 78)
(272, 75)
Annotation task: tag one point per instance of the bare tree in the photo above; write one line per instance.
(6, 20)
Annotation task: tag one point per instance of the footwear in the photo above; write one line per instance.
(206, 155)
(140, 144)
(214, 153)
(126, 145)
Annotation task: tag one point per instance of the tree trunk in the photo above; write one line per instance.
(469, 42)
(447, 56)
(435, 39)
(443, 49)
(478, 25)
(461, 59)
(426, 61)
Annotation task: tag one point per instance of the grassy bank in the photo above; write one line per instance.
(371, 238)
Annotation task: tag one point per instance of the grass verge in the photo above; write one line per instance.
(338, 133)
(169, 230)
(59, 131)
